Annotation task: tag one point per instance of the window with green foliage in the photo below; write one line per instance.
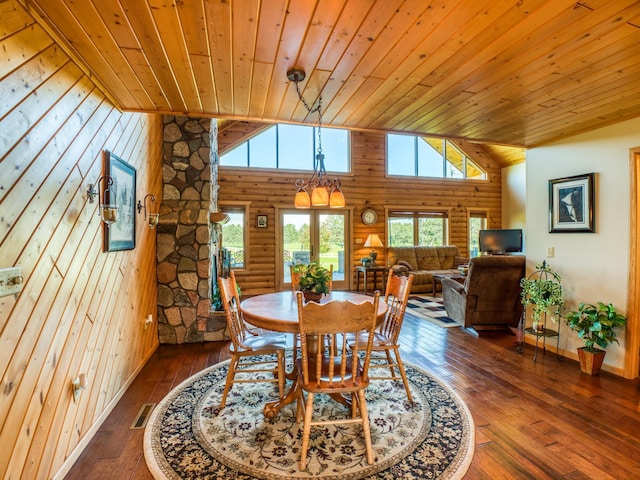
(423, 228)
(291, 147)
(414, 156)
(233, 237)
(477, 222)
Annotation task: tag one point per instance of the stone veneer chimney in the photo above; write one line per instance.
(184, 233)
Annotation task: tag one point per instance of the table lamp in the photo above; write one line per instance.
(373, 241)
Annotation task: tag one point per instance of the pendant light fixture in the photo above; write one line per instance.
(324, 191)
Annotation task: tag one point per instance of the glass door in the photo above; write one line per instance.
(314, 236)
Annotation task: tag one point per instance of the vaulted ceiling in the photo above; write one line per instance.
(508, 72)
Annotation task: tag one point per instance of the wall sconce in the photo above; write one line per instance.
(218, 218)
(78, 385)
(108, 212)
(373, 240)
(152, 218)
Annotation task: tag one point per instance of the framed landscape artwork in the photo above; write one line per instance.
(572, 204)
(121, 235)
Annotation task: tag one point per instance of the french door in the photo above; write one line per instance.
(314, 236)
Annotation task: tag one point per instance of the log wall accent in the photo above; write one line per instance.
(80, 310)
(366, 187)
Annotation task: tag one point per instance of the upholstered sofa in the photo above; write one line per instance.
(490, 295)
(423, 263)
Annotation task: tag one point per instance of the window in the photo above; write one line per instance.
(422, 228)
(429, 157)
(234, 239)
(291, 147)
(477, 222)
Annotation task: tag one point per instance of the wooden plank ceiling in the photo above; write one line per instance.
(517, 73)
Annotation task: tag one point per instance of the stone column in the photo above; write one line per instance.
(183, 235)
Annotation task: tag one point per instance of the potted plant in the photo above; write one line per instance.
(595, 325)
(543, 291)
(314, 280)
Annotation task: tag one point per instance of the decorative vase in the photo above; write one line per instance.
(590, 362)
(311, 296)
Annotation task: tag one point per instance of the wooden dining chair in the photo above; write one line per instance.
(328, 366)
(386, 336)
(246, 344)
(295, 286)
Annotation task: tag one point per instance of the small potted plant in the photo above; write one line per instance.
(595, 325)
(543, 291)
(314, 280)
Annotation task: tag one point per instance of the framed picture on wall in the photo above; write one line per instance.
(120, 235)
(262, 221)
(572, 204)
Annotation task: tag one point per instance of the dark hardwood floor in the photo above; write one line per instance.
(542, 420)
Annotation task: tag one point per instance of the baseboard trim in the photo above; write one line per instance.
(572, 355)
(88, 436)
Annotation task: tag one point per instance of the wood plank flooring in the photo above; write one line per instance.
(542, 420)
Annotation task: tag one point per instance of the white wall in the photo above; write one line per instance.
(594, 266)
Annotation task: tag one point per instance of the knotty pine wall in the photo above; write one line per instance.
(366, 187)
(80, 310)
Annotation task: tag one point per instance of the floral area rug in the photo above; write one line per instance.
(431, 309)
(188, 436)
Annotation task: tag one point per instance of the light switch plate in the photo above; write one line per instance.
(10, 281)
(550, 252)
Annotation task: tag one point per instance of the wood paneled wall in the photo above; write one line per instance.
(80, 310)
(367, 186)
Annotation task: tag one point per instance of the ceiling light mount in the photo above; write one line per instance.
(296, 75)
(324, 191)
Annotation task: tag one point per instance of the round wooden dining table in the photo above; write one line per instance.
(279, 312)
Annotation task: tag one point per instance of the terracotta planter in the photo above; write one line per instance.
(311, 296)
(590, 362)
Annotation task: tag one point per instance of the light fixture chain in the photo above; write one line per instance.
(323, 191)
(304, 102)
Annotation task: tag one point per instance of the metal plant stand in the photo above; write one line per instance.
(540, 331)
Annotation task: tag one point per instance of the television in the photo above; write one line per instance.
(499, 242)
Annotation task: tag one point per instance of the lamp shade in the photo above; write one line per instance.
(302, 199)
(319, 196)
(373, 240)
(336, 199)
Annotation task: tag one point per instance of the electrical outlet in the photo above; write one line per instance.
(10, 281)
(550, 252)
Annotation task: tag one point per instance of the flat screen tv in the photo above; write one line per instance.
(498, 242)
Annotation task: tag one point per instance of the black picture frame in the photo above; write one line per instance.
(261, 221)
(572, 204)
(120, 235)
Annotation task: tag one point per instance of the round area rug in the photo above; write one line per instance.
(188, 436)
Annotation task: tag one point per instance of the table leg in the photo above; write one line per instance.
(365, 282)
(271, 409)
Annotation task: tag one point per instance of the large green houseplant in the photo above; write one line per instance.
(542, 290)
(595, 326)
(313, 280)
